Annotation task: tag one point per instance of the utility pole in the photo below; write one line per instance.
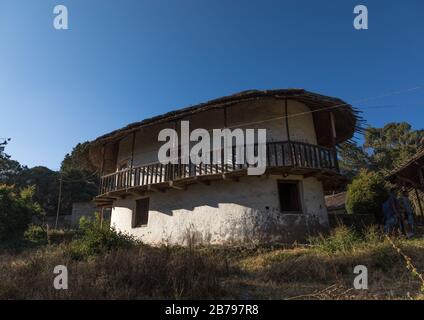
(58, 200)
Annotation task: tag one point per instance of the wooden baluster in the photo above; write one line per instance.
(310, 163)
(297, 158)
(274, 147)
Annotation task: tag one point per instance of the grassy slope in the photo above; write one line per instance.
(313, 274)
(321, 271)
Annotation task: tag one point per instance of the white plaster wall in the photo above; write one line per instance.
(225, 211)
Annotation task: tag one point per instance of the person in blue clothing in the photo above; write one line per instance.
(391, 213)
(407, 213)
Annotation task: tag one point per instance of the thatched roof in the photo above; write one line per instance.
(346, 117)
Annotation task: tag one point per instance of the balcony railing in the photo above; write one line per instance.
(284, 154)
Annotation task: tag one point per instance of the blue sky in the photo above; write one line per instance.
(123, 61)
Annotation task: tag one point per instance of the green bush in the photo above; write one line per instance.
(341, 239)
(58, 236)
(93, 239)
(345, 240)
(36, 234)
(16, 210)
(366, 194)
(40, 236)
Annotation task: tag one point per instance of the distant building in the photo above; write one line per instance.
(410, 175)
(86, 209)
(220, 203)
(336, 203)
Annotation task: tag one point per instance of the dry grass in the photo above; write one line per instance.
(136, 273)
(325, 270)
(321, 271)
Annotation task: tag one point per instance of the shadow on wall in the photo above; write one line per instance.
(252, 214)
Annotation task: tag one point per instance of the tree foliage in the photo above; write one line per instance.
(46, 186)
(383, 149)
(389, 146)
(16, 210)
(366, 193)
(79, 180)
(78, 159)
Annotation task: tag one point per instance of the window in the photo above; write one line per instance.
(289, 195)
(141, 214)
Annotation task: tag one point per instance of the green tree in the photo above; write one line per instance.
(366, 193)
(16, 210)
(353, 158)
(383, 149)
(46, 186)
(8, 168)
(78, 185)
(78, 159)
(80, 178)
(391, 145)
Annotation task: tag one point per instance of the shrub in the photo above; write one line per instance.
(341, 239)
(366, 194)
(16, 210)
(93, 239)
(36, 234)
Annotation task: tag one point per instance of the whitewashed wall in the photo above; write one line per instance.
(226, 212)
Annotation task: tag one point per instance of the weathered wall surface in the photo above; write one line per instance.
(226, 212)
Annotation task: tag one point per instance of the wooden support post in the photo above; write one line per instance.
(102, 168)
(132, 160)
(58, 201)
(419, 204)
(333, 140)
(288, 130)
(225, 165)
(420, 174)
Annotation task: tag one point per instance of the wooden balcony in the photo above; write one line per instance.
(281, 157)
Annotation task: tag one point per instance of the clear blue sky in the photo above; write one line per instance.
(123, 61)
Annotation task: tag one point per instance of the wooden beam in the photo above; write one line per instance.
(137, 193)
(114, 197)
(226, 176)
(174, 186)
(287, 119)
(200, 181)
(286, 112)
(406, 180)
(151, 188)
